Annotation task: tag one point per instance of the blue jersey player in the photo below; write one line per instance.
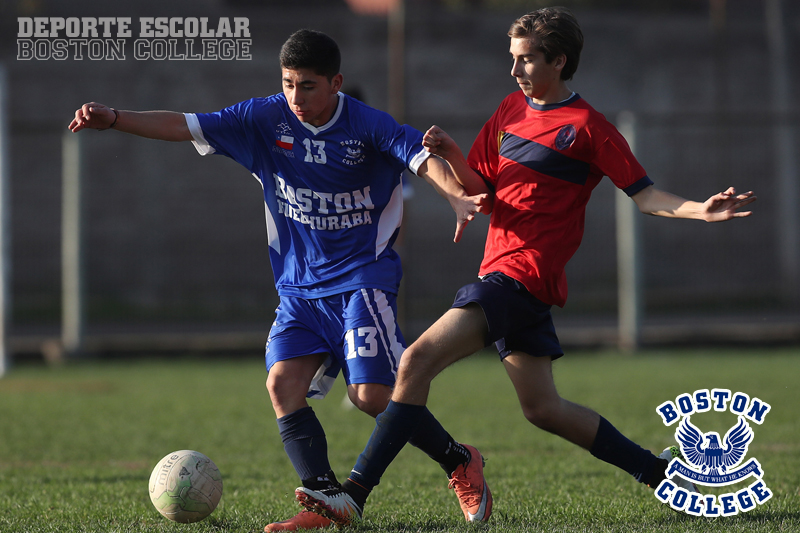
(330, 168)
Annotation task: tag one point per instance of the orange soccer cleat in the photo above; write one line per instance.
(472, 491)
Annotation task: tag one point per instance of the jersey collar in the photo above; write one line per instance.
(557, 105)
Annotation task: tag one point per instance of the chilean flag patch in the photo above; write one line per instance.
(285, 142)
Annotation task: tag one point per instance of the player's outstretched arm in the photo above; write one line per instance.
(161, 125)
(720, 207)
(438, 142)
(438, 173)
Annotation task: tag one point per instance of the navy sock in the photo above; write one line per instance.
(322, 482)
(305, 443)
(614, 448)
(393, 428)
(431, 438)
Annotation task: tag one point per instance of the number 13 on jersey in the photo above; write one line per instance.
(315, 151)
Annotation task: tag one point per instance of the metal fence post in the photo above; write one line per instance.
(397, 58)
(628, 254)
(786, 161)
(72, 319)
(5, 225)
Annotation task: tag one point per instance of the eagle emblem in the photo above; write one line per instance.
(705, 451)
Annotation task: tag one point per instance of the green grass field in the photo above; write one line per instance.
(77, 444)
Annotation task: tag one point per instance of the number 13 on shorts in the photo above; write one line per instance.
(361, 342)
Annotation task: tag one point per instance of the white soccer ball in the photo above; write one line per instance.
(185, 486)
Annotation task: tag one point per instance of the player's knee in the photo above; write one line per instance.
(277, 394)
(403, 369)
(413, 365)
(274, 386)
(285, 388)
(370, 398)
(541, 415)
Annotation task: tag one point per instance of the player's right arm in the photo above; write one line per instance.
(440, 175)
(161, 125)
(438, 142)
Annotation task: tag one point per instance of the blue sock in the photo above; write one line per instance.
(614, 448)
(393, 428)
(305, 443)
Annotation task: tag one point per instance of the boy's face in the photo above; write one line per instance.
(535, 76)
(311, 97)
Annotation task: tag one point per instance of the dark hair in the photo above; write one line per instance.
(555, 31)
(312, 50)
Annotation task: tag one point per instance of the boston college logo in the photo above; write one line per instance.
(710, 460)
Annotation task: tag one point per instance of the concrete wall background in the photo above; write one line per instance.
(173, 237)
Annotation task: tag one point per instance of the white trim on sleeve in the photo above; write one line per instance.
(199, 141)
(417, 160)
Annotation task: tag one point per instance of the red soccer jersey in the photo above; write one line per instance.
(543, 163)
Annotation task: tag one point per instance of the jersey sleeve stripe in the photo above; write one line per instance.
(641, 184)
(199, 141)
(417, 160)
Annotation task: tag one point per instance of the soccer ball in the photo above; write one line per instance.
(185, 486)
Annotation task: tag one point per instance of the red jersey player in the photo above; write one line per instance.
(539, 156)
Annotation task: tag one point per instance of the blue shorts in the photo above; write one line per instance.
(357, 329)
(517, 320)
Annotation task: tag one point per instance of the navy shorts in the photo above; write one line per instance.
(517, 320)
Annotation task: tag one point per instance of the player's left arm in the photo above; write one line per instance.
(720, 207)
(438, 173)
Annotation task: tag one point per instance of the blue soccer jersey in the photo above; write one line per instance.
(333, 193)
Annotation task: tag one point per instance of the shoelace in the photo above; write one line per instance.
(464, 488)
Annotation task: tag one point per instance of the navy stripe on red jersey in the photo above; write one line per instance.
(543, 160)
